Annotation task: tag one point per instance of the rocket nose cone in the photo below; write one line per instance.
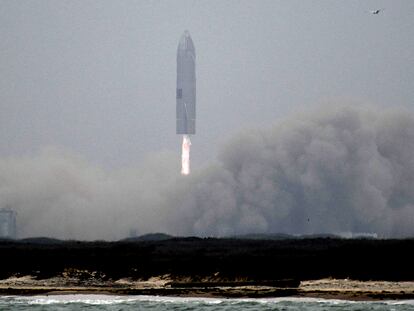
(186, 43)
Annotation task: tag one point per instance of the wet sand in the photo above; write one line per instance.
(164, 286)
(356, 290)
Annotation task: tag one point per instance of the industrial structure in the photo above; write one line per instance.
(8, 223)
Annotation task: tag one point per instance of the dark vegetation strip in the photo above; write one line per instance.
(232, 259)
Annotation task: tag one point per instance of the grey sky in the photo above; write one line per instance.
(98, 77)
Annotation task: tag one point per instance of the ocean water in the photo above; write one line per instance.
(127, 303)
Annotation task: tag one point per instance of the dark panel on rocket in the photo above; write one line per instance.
(186, 86)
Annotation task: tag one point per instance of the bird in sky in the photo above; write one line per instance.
(375, 12)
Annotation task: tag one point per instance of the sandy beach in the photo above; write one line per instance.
(165, 286)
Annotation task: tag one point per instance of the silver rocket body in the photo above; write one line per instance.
(186, 86)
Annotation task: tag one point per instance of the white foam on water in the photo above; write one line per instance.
(98, 299)
(400, 302)
(94, 299)
(321, 300)
(290, 299)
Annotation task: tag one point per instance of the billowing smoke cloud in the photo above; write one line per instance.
(59, 194)
(331, 171)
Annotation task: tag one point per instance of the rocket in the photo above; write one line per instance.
(186, 86)
(186, 97)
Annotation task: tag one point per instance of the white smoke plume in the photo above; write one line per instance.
(339, 170)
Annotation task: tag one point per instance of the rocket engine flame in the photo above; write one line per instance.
(185, 155)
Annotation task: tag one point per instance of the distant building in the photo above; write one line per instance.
(7, 223)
